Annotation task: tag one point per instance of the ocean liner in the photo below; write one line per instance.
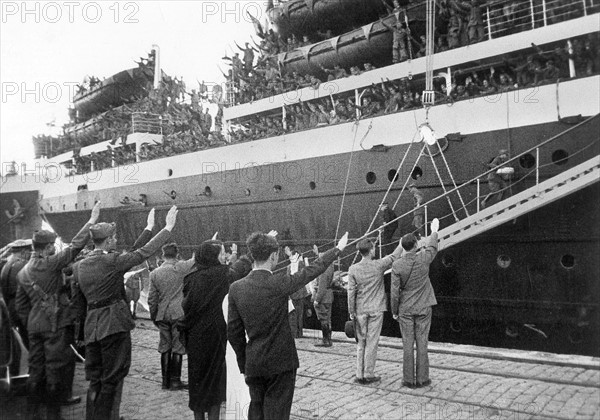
(455, 88)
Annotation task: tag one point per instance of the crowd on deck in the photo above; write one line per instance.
(458, 23)
(187, 126)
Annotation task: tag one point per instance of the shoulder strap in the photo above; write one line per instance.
(34, 285)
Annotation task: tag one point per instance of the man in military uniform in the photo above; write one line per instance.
(419, 213)
(496, 182)
(323, 300)
(108, 323)
(387, 234)
(20, 253)
(43, 305)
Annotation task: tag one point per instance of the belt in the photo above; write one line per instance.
(103, 303)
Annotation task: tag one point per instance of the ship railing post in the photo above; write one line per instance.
(532, 14)
(584, 7)
(545, 12)
(489, 23)
(537, 166)
(356, 102)
(425, 222)
(380, 244)
(478, 194)
(284, 117)
(572, 72)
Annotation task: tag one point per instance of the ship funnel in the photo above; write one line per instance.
(157, 72)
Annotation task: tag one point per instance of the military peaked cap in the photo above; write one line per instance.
(44, 237)
(103, 230)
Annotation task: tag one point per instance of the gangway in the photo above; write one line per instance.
(538, 195)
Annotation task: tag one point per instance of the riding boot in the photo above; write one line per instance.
(165, 368)
(328, 336)
(176, 361)
(323, 342)
(90, 404)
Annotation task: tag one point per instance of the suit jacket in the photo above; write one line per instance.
(411, 272)
(365, 284)
(100, 283)
(166, 290)
(258, 307)
(46, 272)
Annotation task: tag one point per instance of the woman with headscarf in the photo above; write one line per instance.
(205, 329)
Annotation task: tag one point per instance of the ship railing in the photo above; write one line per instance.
(534, 165)
(145, 122)
(506, 16)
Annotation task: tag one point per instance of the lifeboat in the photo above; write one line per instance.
(121, 88)
(306, 17)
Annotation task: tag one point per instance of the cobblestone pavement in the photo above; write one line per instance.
(468, 383)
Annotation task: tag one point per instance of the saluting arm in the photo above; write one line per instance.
(291, 283)
(63, 258)
(131, 259)
(146, 234)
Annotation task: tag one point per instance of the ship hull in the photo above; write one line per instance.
(538, 288)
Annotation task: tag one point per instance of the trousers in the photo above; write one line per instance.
(415, 330)
(271, 396)
(368, 330)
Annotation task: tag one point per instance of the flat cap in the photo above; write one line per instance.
(20, 244)
(103, 230)
(44, 237)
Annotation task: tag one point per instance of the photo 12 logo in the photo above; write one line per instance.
(69, 12)
(231, 11)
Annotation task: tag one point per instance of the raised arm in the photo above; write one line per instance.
(63, 258)
(131, 259)
(146, 234)
(432, 242)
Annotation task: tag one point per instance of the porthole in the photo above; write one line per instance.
(393, 175)
(503, 261)
(207, 191)
(371, 177)
(567, 261)
(312, 185)
(416, 173)
(277, 188)
(247, 192)
(170, 172)
(560, 157)
(527, 161)
(448, 260)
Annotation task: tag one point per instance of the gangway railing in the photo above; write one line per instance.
(541, 192)
(539, 195)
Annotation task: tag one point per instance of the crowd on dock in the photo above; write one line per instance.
(240, 348)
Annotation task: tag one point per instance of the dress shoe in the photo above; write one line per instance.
(359, 380)
(71, 401)
(373, 379)
(408, 384)
(424, 384)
